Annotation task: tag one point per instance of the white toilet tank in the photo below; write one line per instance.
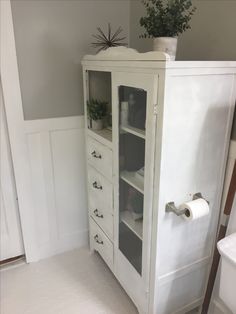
(227, 293)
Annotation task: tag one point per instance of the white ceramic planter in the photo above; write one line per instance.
(97, 124)
(166, 44)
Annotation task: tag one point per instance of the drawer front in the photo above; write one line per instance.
(102, 215)
(100, 243)
(100, 188)
(100, 157)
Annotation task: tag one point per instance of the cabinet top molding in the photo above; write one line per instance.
(153, 59)
(127, 54)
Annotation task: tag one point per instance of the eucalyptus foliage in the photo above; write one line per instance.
(166, 18)
(96, 109)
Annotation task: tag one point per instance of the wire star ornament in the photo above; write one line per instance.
(110, 40)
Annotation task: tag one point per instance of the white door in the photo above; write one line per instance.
(11, 244)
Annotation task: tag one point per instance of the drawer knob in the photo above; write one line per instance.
(97, 240)
(95, 155)
(96, 186)
(97, 213)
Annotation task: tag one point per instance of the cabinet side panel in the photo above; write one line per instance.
(197, 116)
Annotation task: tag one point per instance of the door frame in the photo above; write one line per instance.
(15, 121)
(11, 235)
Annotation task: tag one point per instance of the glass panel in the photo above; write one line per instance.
(132, 105)
(99, 109)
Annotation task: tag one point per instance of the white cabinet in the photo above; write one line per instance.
(168, 140)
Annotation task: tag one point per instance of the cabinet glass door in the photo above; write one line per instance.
(132, 134)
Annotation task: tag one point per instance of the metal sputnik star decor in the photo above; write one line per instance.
(110, 40)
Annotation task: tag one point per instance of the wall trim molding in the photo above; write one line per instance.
(190, 306)
(60, 123)
(220, 307)
(75, 241)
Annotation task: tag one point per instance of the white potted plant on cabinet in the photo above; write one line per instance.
(97, 111)
(165, 20)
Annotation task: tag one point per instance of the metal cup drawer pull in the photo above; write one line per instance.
(96, 239)
(95, 155)
(97, 213)
(96, 186)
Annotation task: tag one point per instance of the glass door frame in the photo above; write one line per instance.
(148, 82)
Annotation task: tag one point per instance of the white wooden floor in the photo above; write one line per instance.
(76, 282)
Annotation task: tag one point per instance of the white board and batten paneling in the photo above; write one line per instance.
(57, 163)
(189, 113)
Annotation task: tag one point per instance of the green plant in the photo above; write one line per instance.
(96, 109)
(166, 18)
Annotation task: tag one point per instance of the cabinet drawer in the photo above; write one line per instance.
(100, 243)
(102, 215)
(100, 188)
(100, 157)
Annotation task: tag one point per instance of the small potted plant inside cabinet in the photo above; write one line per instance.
(97, 111)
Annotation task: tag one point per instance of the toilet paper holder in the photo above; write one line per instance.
(170, 207)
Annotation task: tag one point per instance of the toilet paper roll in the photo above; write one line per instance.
(195, 209)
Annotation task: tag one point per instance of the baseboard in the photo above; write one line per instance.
(190, 306)
(67, 243)
(217, 307)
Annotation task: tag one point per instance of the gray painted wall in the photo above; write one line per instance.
(51, 38)
(212, 36)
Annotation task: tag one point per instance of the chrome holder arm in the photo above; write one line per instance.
(171, 207)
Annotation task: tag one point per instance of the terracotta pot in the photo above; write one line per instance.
(97, 124)
(166, 44)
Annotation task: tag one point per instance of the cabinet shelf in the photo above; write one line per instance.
(132, 130)
(134, 225)
(104, 136)
(133, 179)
